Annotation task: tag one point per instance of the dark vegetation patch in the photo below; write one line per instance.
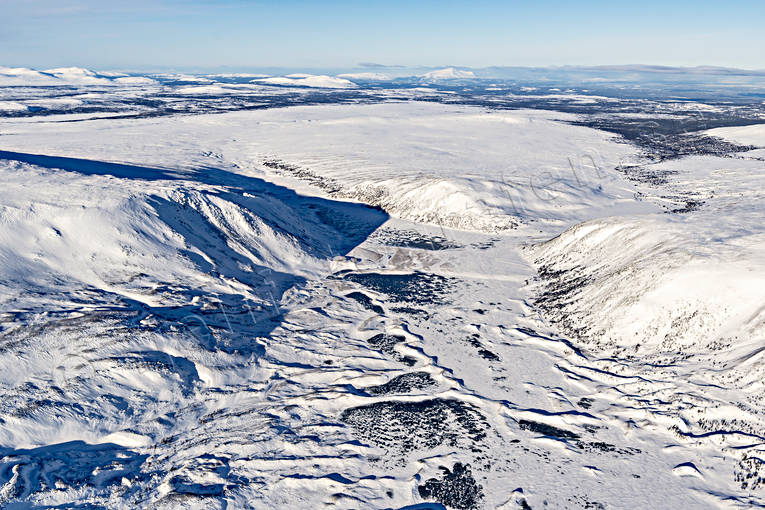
(599, 446)
(405, 427)
(558, 290)
(663, 138)
(456, 488)
(562, 284)
(587, 504)
(280, 167)
(384, 342)
(417, 287)
(748, 473)
(366, 302)
(588, 446)
(404, 383)
(523, 504)
(408, 360)
(689, 205)
(638, 173)
(417, 312)
(686, 201)
(413, 239)
(546, 430)
(486, 354)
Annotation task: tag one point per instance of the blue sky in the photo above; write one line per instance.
(175, 34)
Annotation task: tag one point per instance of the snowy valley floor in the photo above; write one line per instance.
(395, 305)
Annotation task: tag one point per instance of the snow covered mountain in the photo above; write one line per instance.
(377, 297)
(446, 166)
(308, 80)
(448, 73)
(21, 76)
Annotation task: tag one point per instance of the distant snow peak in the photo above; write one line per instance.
(448, 73)
(77, 76)
(308, 80)
(22, 76)
(12, 76)
(365, 76)
(70, 71)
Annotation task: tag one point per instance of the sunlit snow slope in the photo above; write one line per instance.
(396, 305)
(468, 168)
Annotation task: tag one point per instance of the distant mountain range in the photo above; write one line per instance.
(346, 77)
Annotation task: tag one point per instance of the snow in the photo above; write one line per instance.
(227, 88)
(578, 98)
(679, 297)
(308, 80)
(12, 106)
(365, 76)
(238, 75)
(17, 76)
(443, 165)
(134, 80)
(185, 77)
(203, 311)
(744, 135)
(448, 73)
(683, 293)
(66, 76)
(77, 75)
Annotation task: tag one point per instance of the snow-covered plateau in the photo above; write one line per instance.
(301, 291)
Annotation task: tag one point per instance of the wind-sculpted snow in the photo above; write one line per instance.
(129, 290)
(396, 305)
(694, 279)
(677, 301)
(646, 285)
(457, 167)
